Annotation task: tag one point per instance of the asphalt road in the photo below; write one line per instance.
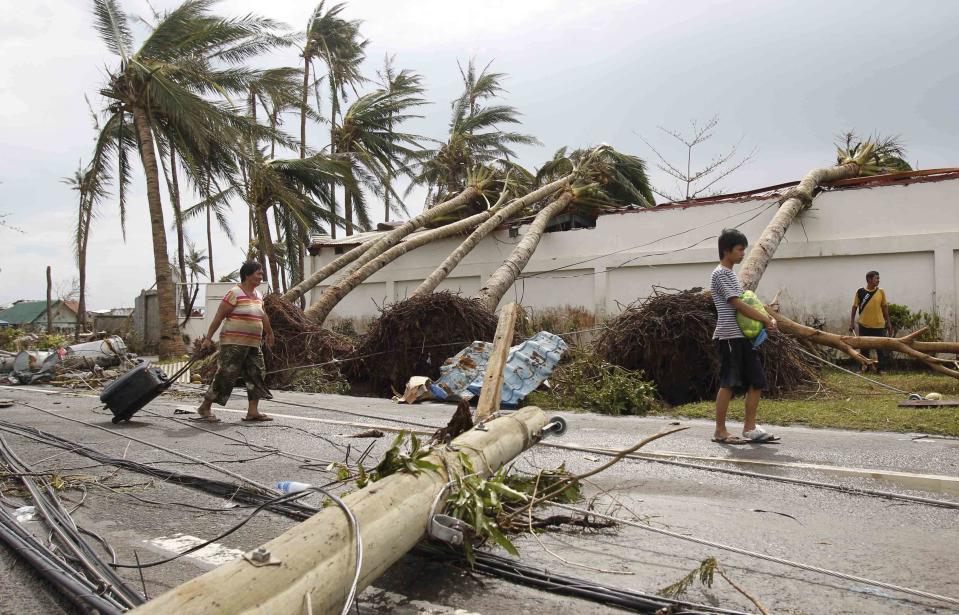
(902, 543)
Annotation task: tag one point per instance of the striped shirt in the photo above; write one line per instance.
(244, 325)
(724, 286)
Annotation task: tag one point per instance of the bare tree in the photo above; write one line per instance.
(67, 290)
(691, 183)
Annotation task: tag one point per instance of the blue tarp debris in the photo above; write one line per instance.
(527, 365)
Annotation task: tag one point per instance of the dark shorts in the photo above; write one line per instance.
(740, 368)
(882, 356)
(235, 362)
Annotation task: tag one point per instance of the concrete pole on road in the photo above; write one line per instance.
(317, 556)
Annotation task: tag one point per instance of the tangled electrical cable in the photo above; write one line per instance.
(285, 504)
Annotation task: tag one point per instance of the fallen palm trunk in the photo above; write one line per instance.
(316, 558)
(851, 345)
(326, 271)
(795, 201)
(504, 277)
(447, 266)
(335, 293)
(392, 238)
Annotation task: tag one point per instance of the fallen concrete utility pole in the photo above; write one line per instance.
(314, 562)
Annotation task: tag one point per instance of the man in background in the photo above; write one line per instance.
(873, 310)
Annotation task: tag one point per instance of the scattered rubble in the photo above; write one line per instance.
(69, 365)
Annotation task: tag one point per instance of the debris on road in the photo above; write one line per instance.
(528, 365)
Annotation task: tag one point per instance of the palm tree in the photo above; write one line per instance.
(602, 178)
(888, 153)
(90, 188)
(336, 41)
(193, 260)
(368, 139)
(475, 137)
(161, 88)
(495, 220)
(409, 83)
(299, 187)
(853, 158)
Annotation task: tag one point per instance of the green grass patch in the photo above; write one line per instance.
(848, 402)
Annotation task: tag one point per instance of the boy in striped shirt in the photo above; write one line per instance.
(740, 368)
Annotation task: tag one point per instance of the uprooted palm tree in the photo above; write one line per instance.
(162, 88)
(554, 176)
(876, 156)
(854, 158)
(479, 183)
(602, 178)
(476, 136)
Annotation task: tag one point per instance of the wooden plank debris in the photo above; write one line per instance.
(492, 389)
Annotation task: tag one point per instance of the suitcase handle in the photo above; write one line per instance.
(182, 370)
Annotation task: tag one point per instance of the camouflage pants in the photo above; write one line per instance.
(233, 363)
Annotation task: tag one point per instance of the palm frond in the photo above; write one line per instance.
(114, 27)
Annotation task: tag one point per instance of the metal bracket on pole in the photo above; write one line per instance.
(448, 529)
(261, 557)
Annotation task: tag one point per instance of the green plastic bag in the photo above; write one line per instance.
(751, 328)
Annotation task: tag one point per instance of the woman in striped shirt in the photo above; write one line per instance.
(244, 323)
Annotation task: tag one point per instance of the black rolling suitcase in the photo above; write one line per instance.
(136, 388)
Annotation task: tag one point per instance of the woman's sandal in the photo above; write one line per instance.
(259, 418)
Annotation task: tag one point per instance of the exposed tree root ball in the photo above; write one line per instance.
(669, 337)
(413, 337)
(299, 341)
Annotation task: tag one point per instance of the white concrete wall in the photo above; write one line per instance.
(909, 233)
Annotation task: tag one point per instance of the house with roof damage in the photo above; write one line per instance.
(32, 315)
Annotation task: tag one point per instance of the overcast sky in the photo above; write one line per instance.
(783, 77)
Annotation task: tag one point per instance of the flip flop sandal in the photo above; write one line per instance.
(736, 440)
(260, 418)
(209, 418)
(760, 436)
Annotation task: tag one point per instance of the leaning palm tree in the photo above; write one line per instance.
(479, 183)
(369, 139)
(601, 178)
(485, 228)
(853, 158)
(162, 87)
(476, 137)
